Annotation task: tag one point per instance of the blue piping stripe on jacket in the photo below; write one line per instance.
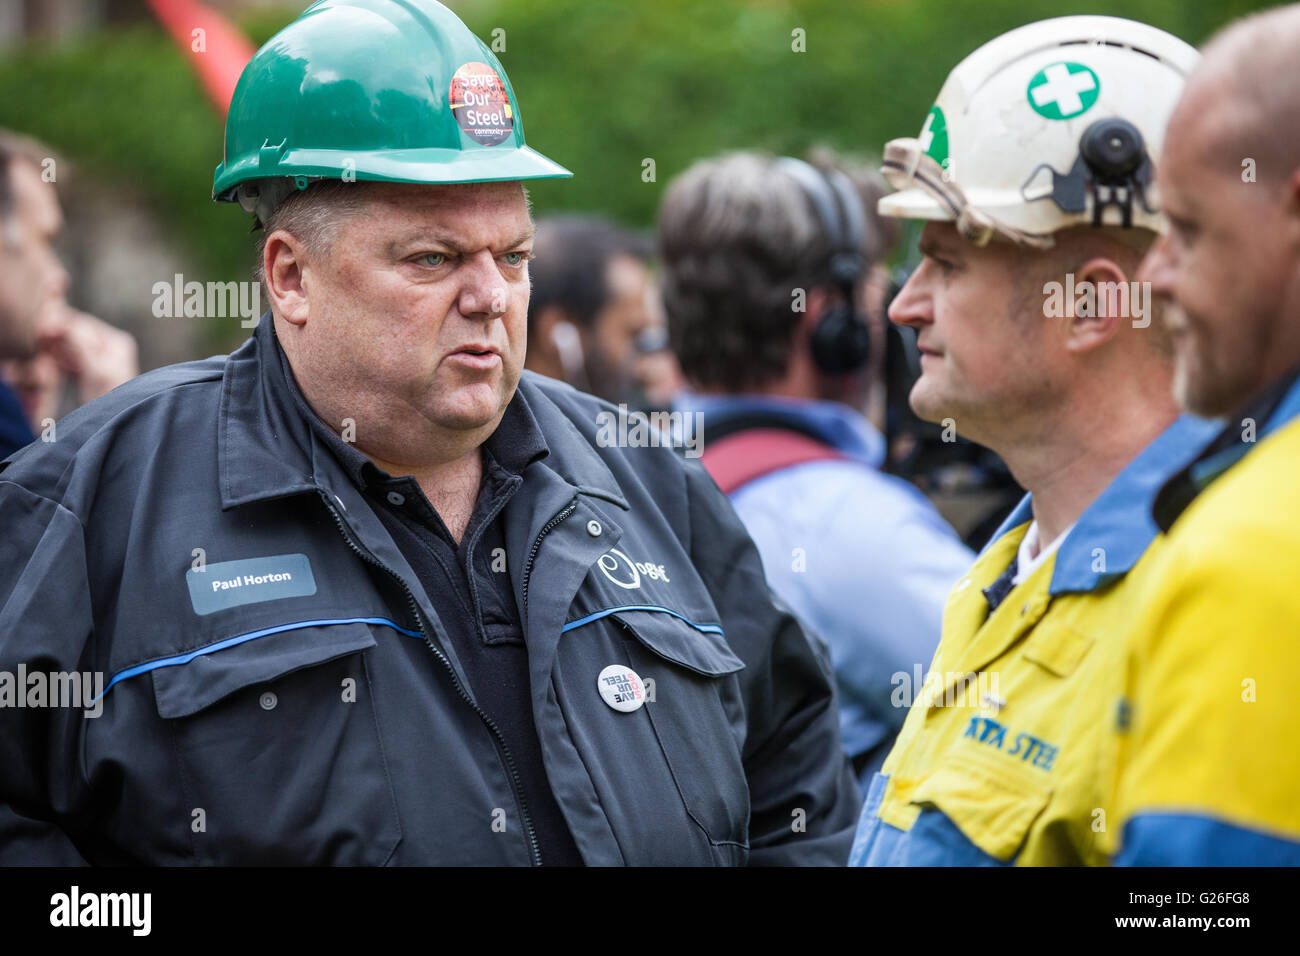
(240, 639)
(703, 628)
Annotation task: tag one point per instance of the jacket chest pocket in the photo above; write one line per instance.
(682, 746)
(1057, 647)
(279, 752)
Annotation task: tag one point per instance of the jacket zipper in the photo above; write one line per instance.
(460, 689)
(528, 565)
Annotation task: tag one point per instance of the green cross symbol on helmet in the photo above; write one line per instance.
(1063, 90)
(934, 136)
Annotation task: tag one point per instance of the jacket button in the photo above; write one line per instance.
(396, 498)
(268, 701)
(593, 528)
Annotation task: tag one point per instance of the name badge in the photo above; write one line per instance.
(232, 583)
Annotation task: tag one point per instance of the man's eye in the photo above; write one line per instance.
(515, 258)
(1185, 230)
(433, 259)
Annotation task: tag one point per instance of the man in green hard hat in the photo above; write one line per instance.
(364, 592)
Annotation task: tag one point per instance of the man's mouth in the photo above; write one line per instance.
(476, 356)
(1175, 321)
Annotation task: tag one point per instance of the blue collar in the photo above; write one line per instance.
(1116, 529)
(1278, 405)
(1287, 409)
(837, 424)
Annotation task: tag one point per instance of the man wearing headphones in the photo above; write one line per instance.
(763, 264)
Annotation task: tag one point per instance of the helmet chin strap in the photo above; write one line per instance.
(905, 164)
(262, 196)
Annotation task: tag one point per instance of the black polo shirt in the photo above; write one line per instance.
(469, 587)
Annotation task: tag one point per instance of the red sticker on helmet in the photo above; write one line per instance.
(480, 104)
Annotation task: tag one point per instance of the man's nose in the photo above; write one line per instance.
(912, 307)
(485, 294)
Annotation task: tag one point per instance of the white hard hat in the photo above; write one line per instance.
(1055, 124)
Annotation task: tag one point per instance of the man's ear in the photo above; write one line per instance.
(282, 266)
(567, 341)
(814, 308)
(543, 355)
(1101, 304)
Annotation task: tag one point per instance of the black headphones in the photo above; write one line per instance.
(841, 340)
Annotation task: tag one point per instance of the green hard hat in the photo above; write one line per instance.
(393, 91)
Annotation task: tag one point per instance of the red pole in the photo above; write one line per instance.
(216, 49)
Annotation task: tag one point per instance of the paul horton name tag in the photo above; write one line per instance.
(232, 583)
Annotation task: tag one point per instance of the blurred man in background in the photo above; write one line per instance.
(594, 319)
(1208, 766)
(875, 285)
(42, 338)
(763, 264)
(968, 484)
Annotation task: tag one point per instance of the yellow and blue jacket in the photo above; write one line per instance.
(1004, 755)
(1207, 768)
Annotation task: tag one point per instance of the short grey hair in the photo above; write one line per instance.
(737, 237)
(313, 215)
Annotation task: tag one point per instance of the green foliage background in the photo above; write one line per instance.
(602, 84)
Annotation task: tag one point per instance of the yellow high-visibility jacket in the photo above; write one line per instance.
(1003, 757)
(1208, 762)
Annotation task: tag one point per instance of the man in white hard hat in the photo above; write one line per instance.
(1035, 171)
(1207, 763)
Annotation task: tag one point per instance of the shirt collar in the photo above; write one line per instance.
(1033, 554)
(835, 423)
(516, 442)
(1117, 528)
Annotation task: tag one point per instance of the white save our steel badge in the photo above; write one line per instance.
(621, 688)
